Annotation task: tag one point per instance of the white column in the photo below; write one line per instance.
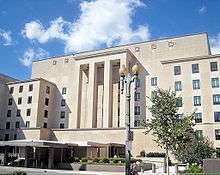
(107, 103)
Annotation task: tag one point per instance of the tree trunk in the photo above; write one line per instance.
(167, 160)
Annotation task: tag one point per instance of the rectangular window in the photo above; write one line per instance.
(216, 99)
(154, 81)
(45, 125)
(61, 125)
(29, 100)
(137, 123)
(27, 124)
(217, 116)
(28, 113)
(9, 101)
(177, 70)
(45, 114)
(195, 68)
(30, 87)
(9, 113)
(19, 100)
(215, 82)
(63, 102)
(6, 137)
(64, 90)
(137, 96)
(7, 126)
(11, 91)
(62, 114)
(46, 101)
(196, 84)
(15, 136)
(217, 134)
(198, 117)
(179, 116)
(138, 83)
(18, 113)
(179, 102)
(17, 125)
(48, 90)
(213, 66)
(137, 110)
(178, 86)
(20, 89)
(197, 100)
(199, 134)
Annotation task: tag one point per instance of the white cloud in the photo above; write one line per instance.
(5, 36)
(101, 22)
(203, 10)
(215, 44)
(33, 54)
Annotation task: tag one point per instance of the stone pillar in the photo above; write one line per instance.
(92, 96)
(107, 103)
(51, 158)
(153, 168)
(5, 160)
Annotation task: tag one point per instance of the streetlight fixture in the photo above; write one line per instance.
(128, 78)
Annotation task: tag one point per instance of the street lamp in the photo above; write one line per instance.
(127, 78)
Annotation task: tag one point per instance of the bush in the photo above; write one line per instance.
(74, 160)
(96, 160)
(84, 159)
(105, 160)
(195, 168)
(155, 154)
(136, 160)
(118, 160)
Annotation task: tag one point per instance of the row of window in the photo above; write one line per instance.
(29, 100)
(198, 117)
(199, 134)
(18, 113)
(195, 68)
(20, 90)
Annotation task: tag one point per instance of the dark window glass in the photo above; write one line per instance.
(216, 99)
(19, 100)
(179, 116)
(137, 123)
(62, 114)
(154, 81)
(217, 134)
(46, 101)
(195, 68)
(179, 102)
(15, 136)
(10, 101)
(28, 112)
(7, 125)
(198, 117)
(214, 66)
(17, 125)
(11, 91)
(30, 87)
(178, 86)
(196, 84)
(137, 96)
(199, 134)
(197, 100)
(20, 89)
(137, 110)
(29, 100)
(27, 124)
(215, 82)
(48, 90)
(6, 137)
(138, 83)
(64, 90)
(45, 125)
(9, 113)
(63, 102)
(217, 116)
(18, 113)
(61, 125)
(45, 114)
(177, 70)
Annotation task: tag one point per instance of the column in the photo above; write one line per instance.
(27, 156)
(107, 103)
(5, 160)
(92, 96)
(51, 158)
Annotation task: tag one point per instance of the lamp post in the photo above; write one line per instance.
(126, 78)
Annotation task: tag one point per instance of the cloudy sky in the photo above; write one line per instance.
(36, 29)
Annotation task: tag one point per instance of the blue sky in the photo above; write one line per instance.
(35, 29)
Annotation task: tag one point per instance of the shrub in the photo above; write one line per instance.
(195, 168)
(118, 160)
(105, 160)
(74, 160)
(96, 160)
(155, 154)
(136, 160)
(84, 159)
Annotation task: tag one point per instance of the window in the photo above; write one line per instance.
(196, 84)
(29, 100)
(6, 137)
(45, 114)
(48, 90)
(62, 114)
(137, 110)
(15, 136)
(7, 126)
(19, 100)
(216, 99)
(179, 102)
(17, 125)
(27, 124)
(10, 101)
(64, 90)
(214, 66)
(30, 87)
(54, 62)
(63, 102)
(46, 101)
(18, 113)
(195, 68)
(153, 94)
(138, 83)
(154, 81)
(198, 117)
(179, 116)
(28, 113)
(177, 70)
(20, 89)
(45, 125)
(199, 134)
(215, 82)
(137, 96)
(197, 100)
(61, 125)
(217, 116)
(137, 123)
(11, 91)
(9, 113)
(217, 134)
(178, 86)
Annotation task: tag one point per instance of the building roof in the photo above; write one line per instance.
(28, 80)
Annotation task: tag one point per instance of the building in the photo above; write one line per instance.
(72, 104)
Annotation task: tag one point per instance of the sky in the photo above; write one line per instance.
(36, 29)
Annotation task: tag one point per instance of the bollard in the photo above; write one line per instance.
(153, 168)
(176, 169)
